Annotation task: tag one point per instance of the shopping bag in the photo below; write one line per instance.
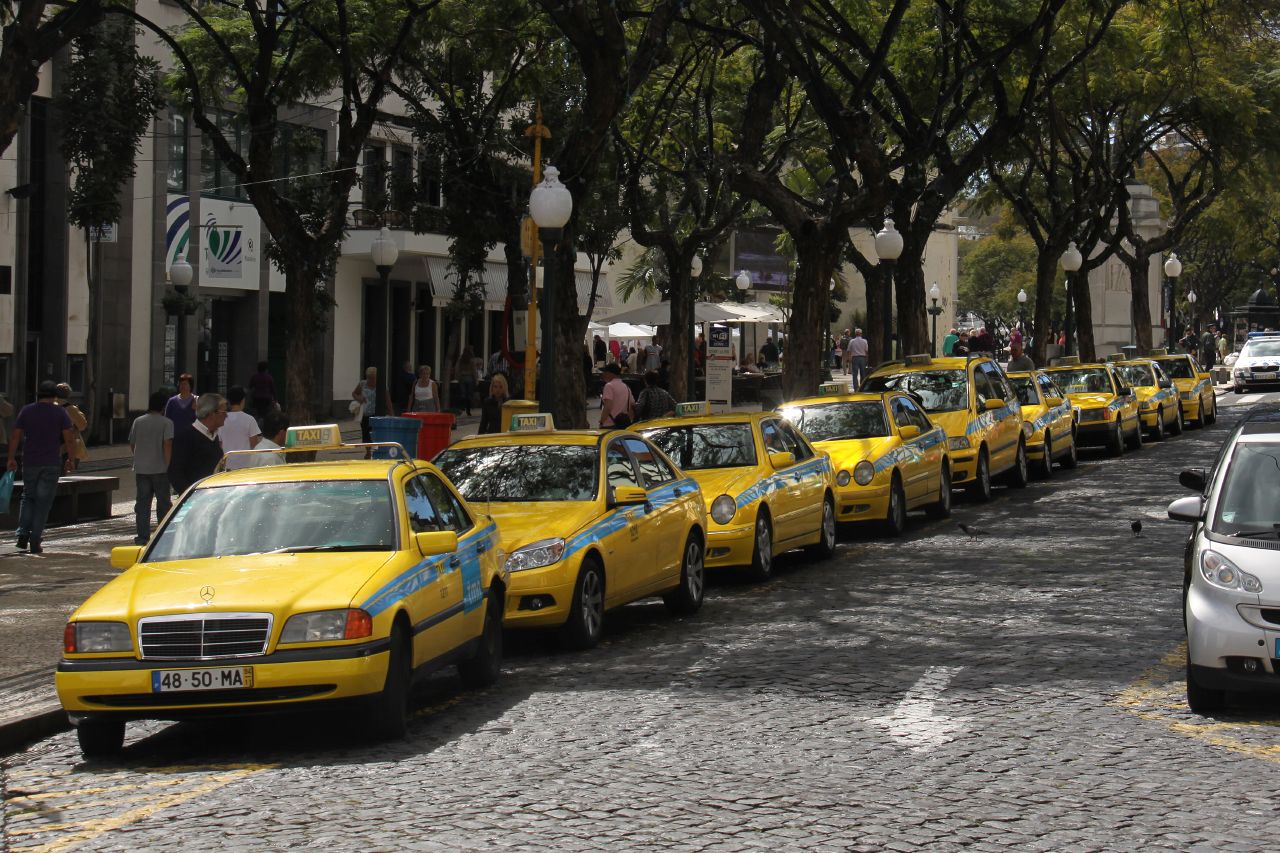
(6, 490)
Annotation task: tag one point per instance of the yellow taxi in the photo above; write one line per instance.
(888, 456)
(1048, 421)
(281, 586)
(589, 520)
(1158, 403)
(1106, 407)
(971, 399)
(1195, 386)
(765, 488)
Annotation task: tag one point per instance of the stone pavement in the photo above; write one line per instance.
(1018, 692)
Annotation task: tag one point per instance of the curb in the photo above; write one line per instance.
(22, 732)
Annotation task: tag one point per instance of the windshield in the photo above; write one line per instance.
(937, 390)
(1256, 348)
(1249, 501)
(523, 472)
(1178, 368)
(1026, 389)
(1137, 374)
(706, 445)
(836, 421)
(1084, 380)
(327, 515)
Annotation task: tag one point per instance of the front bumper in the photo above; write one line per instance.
(541, 598)
(121, 687)
(964, 466)
(1095, 432)
(862, 503)
(1222, 643)
(729, 545)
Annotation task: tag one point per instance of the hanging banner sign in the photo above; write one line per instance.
(719, 367)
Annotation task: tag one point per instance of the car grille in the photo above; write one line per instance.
(190, 637)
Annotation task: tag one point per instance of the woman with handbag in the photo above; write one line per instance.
(425, 394)
(78, 420)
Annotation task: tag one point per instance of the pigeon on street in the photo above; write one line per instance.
(973, 532)
(1136, 527)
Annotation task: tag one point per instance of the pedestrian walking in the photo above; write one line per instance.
(181, 406)
(1018, 360)
(491, 407)
(652, 356)
(404, 385)
(599, 350)
(1222, 344)
(1208, 348)
(424, 396)
(617, 405)
(465, 370)
(262, 391)
(78, 421)
(42, 429)
(653, 401)
(949, 342)
(844, 354)
(275, 427)
(858, 349)
(196, 449)
(241, 430)
(151, 440)
(366, 394)
(769, 354)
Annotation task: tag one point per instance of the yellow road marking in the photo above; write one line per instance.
(1152, 695)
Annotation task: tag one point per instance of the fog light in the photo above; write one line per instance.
(535, 602)
(1250, 665)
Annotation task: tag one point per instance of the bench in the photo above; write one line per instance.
(80, 497)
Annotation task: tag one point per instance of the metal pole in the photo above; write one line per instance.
(933, 339)
(550, 284)
(539, 132)
(383, 399)
(886, 312)
(1070, 311)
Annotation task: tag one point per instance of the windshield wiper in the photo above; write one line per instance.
(1257, 534)
(851, 437)
(291, 549)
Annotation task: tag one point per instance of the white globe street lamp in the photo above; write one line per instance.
(1071, 262)
(181, 273)
(743, 281)
(888, 244)
(550, 205)
(935, 293)
(695, 266)
(384, 251)
(1172, 269)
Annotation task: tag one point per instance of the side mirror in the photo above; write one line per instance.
(1053, 401)
(1194, 479)
(1190, 510)
(1166, 382)
(627, 496)
(436, 542)
(909, 431)
(782, 460)
(993, 404)
(125, 556)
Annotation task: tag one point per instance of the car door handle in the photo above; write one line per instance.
(454, 562)
(799, 477)
(482, 547)
(680, 491)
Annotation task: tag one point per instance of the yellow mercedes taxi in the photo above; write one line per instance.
(589, 520)
(765, 487)
(971, 399)
(279, 586)
(1048, 421)
(888, 456)
(1158, 404)
(1195, 386)
(1106, 407)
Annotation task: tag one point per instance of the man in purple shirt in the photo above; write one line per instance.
(262, 391)
(42, 429)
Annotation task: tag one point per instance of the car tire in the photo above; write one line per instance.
(941, 508)
(762, 549)
(980, 489)
(1213, 410)
(1115, 441)
(585, 624)
(826, 545)
(1157, 434)
(1071, 458)
(1203, 700)
(1019, 475)
(389, 709)
(687, 598)
(99, 737)
(1241, 389)
(895, 514)
(1134, 441)
(1045, 470)
(1176, 428)
(484, 667)
(1198, 421)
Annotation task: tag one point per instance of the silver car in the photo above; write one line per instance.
(1231, 586)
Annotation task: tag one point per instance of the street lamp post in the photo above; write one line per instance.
(181, 274)
(1172, 269)
(1022, 304)
(384, 253)
(690, 367)
(550, 205)
(934, 310)
(1195, 315)
(1071, 262)
(888, 244)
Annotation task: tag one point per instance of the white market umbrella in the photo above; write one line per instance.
(659, 314)
(628, 330)
(755, 312)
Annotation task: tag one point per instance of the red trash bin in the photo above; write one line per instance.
(435, 434)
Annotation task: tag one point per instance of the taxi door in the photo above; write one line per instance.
(631, 534)
(1128, 398)
(1059, 416)
(462, 570)
(813, 479)
(921, 471)
(786, 491)
(665, 513)
(435, 602)
(1005, 424)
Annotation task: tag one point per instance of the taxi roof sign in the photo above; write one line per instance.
(314, 435)
(914, 360)
(1063, 360)
(532, 422)
(693, 409)
(1160, 351)
(834, 388)
(1116, 356)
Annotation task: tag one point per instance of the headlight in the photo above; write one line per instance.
(535, 555)
(1188, 395)
(1221, 572)
(960, 443)
(1146, 406)
(842, 479)
(723, 509)
(327, 625)
(1026, 429)
(863, 472)
(87, 637)
(1239, 374)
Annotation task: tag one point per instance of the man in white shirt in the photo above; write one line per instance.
(275, 425)
(240, 432)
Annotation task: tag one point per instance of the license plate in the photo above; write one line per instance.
(1264, 376)
(210, 678)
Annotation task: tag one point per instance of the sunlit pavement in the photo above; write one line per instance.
(1019, 691)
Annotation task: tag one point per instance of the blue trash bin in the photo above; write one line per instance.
(402, 431)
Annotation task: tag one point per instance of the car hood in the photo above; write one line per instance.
(277, 583)
(715, 482)
(1254, 360)
(520, 523)
(847, 453)
(1031, 412)
(1085, 400)
(956, 424)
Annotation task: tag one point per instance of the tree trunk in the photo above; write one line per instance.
(303, 404)
(92, 271)
(1046, 281)
(681, 342)
(453, 347)
(909, 288)
(518, 292)
(877, 292)
(1082, 316)
(802, 365)
(1141, 300)
(568, 326)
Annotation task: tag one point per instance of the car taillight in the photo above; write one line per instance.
(359, 624)
(69, 638)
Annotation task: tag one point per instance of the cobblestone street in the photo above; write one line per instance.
(1018, 691)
